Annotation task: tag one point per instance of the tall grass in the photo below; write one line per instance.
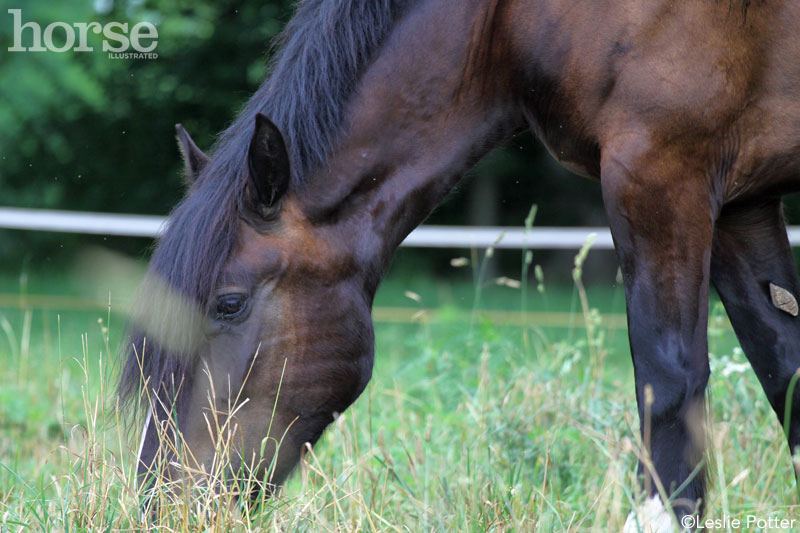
(468, 425)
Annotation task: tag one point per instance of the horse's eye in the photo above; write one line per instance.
(230, 306)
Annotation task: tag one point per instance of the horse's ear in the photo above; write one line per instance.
(268, 165)
(193, 156)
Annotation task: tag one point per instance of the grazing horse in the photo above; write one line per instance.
(686, 111)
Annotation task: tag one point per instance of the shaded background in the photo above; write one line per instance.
(80, 131)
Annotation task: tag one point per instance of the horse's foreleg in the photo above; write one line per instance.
(754, 272)
(662, 219)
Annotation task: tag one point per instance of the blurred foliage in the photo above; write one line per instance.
(81, 131)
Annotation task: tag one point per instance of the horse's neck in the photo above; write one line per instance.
(421, 116)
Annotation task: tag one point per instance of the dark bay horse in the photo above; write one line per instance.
(686, 111)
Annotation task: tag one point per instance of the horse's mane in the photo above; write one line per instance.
(323, 52)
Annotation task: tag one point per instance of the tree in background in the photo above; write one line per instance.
(81, 131)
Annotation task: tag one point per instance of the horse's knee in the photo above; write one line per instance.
(673, 391)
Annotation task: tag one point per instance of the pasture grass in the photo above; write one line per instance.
(468, 424)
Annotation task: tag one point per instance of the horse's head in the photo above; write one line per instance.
(269, 271)
(273, 310)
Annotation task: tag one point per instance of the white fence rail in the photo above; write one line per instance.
(422, 237)
(81, 222)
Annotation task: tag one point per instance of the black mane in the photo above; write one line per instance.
(323, 52)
